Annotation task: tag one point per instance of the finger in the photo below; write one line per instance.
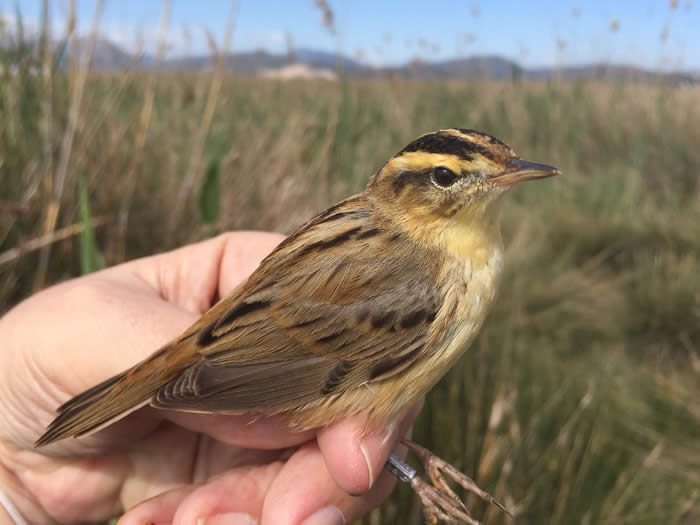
(354, 457)
(304, 492)
(156, 469)
(195, 276)
(163, 508)
(301, 488)
(157, 510)
(242, 431)
(242, 254)
(239, 491)
(276, 493)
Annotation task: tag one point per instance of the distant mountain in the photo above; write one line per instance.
(247, 63)
(609, 72)
(107, 56)
(328, 60)
(486, 66)
(256, 61)
(496, 67)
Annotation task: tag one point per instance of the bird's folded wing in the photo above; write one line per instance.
(305, 327)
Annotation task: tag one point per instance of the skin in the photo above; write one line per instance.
(191, 466)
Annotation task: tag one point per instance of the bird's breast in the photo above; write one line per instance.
(468, 293)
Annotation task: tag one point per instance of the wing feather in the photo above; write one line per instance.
(334, 307)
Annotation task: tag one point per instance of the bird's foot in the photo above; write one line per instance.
(440, 503)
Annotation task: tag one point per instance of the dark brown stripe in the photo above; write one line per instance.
(449, 144)
(368, 233)
(329, 243)
(383, 319)
(307, 322)
(415, 178)
(242, 309)
(328, 338)
(386, 364)
(350, 214)
(206, 335)
(417, 317)
(325, 214)
(321, 217)
(331, 210)
(336, 376)
(228, 330)
(453, 208)
(335, 216)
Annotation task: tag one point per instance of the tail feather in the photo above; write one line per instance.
(110, 400)
(90, 411)
(89, 394)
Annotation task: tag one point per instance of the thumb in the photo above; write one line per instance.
(355, 457)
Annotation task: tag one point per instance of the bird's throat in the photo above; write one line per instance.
(474, 233)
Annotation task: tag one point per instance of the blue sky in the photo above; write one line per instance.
(649, 33)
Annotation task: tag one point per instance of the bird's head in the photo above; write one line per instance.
(450, 177)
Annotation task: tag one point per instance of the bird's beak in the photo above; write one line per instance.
(519, 170)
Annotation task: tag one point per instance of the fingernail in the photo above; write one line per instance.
(374, 442)
(329, 515)
(231, 518)
(370, 472)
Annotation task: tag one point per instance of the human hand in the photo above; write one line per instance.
(191, 466)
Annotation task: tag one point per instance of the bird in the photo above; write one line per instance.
(361, 310)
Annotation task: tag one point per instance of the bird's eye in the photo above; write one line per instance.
(444, 177)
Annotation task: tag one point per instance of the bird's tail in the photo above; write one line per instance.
(112, 399)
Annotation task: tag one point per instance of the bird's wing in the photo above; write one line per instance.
(332, 308)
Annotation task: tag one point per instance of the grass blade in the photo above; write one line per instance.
(90, 260)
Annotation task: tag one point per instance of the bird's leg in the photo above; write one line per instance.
(436, 505)
(439, 500)
(435, 467)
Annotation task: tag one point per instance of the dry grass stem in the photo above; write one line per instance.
(47, 239)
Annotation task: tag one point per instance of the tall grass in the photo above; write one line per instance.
(577, 404)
